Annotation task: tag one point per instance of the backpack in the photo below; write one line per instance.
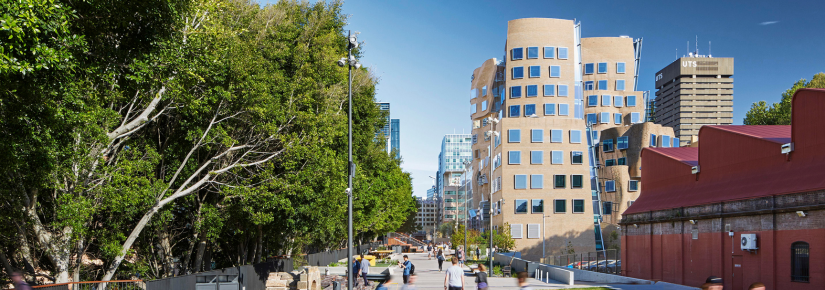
(412, 268)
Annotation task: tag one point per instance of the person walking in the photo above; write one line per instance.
(383, 284)
(757, 286)
(522, 281)
(407, 266)
(429, 251)
(356, 267)
(459, 253)
(365, 269)
(478, 253)
(440, 258)
(481, 277)
(411, 284)
(454, 280)
(19, 282)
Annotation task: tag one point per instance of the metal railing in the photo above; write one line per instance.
(606, 261)
(96, 285)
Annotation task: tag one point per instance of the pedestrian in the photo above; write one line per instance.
(522, 281)
(481, 277)
(459, 253)
(383, 284)
(19, 282)
(410, 285)
(757, 286)
(356, 266)
(429, 251)
(440, 258)
(365, 269)
(454, 280)
(407, 266)
(478, 253)
(714, 283)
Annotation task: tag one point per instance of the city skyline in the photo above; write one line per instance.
(409, 34)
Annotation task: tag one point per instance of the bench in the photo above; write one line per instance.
(507, 270)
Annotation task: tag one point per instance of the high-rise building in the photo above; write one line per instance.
(694, 91)
(427, 215)
(395, 137)
(455, 150)
(432, 193)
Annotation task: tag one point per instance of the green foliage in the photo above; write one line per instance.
(780, 113)
(503, 240)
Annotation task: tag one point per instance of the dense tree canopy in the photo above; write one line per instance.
(780, 113)
(161, 135)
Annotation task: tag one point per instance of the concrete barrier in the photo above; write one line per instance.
(563, 274)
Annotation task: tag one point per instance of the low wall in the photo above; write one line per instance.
(563, 274)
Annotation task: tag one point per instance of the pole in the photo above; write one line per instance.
(490, 201)
(466, 211)
(351, 173)
(543, 239)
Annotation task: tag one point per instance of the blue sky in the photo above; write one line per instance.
(424, 52)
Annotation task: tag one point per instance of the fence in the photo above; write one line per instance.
(606, 261)
(96, 285)
(329, 257)
(248, 277)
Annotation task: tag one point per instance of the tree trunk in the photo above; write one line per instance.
(198, 265)
(207, 259)
(78, 261)
(259, 248)
(6, 265)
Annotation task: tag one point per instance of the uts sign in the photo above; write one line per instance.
(688, 63)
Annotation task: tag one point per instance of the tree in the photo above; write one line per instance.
(410, 226)
(780, 113)
(503, 240)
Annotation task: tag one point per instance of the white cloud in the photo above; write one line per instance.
(769, 22)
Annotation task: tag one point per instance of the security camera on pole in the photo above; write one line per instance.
(351, 62)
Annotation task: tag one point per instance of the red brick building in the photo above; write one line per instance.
(740, 182)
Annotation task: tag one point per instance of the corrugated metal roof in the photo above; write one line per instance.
(740, 168)
(776, 133)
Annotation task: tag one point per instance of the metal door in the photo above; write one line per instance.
(737, 272)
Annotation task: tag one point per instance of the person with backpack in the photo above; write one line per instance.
(459, 253)
(440, 258)
(408, 267)
(356, 267)
(481, 277)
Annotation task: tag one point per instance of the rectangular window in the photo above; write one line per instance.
(535, 71)
(537, 135)
(665, 141)
(607, 145)
(515, 92)
(564, 109)
(602, 67)
(606, 100)
(557, 157)
(517, 53)
(602, 85)
(473, 108)
(556, 136)
(618, 101)
(562, 90)
(610, 162)
(533, 52)
(620, 67)
(652, 140)
(549, 90)
(610, 186)
(578, 205)
(520, 181)
(532, 91)
(592, 100)
(473, 94)
(514, 157)
(633, 185)
(549, 52)
(676, 142)
(536, 157)
(549, 109)
(484, 106)
(562, 53)
(622, 161)
(617, 118)
(529, 110)
(518, 72)
(576, 157)
(588, 85)
(622, 142)
(592, 118)
(484, 91)
(607, 207)
(521, 206)
(604, 118)
(631, 101)
(576, 181)
(559, 206)
(620, 85)
(575, 136)
(559, 181)
(588, 68)
(538, 205)
(514, 135)
(555, 71)
(634, 117)
(515, 111)
(536, 181)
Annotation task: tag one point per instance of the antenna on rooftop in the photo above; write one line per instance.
(709, 54)
(697, 45)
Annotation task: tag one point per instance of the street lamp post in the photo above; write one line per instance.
(350, 62)
(466, 210)
(493, 134)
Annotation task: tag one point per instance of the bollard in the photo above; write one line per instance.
(336, 285)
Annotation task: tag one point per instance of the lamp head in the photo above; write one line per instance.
(342, 62)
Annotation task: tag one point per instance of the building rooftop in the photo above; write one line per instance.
(739, 162)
